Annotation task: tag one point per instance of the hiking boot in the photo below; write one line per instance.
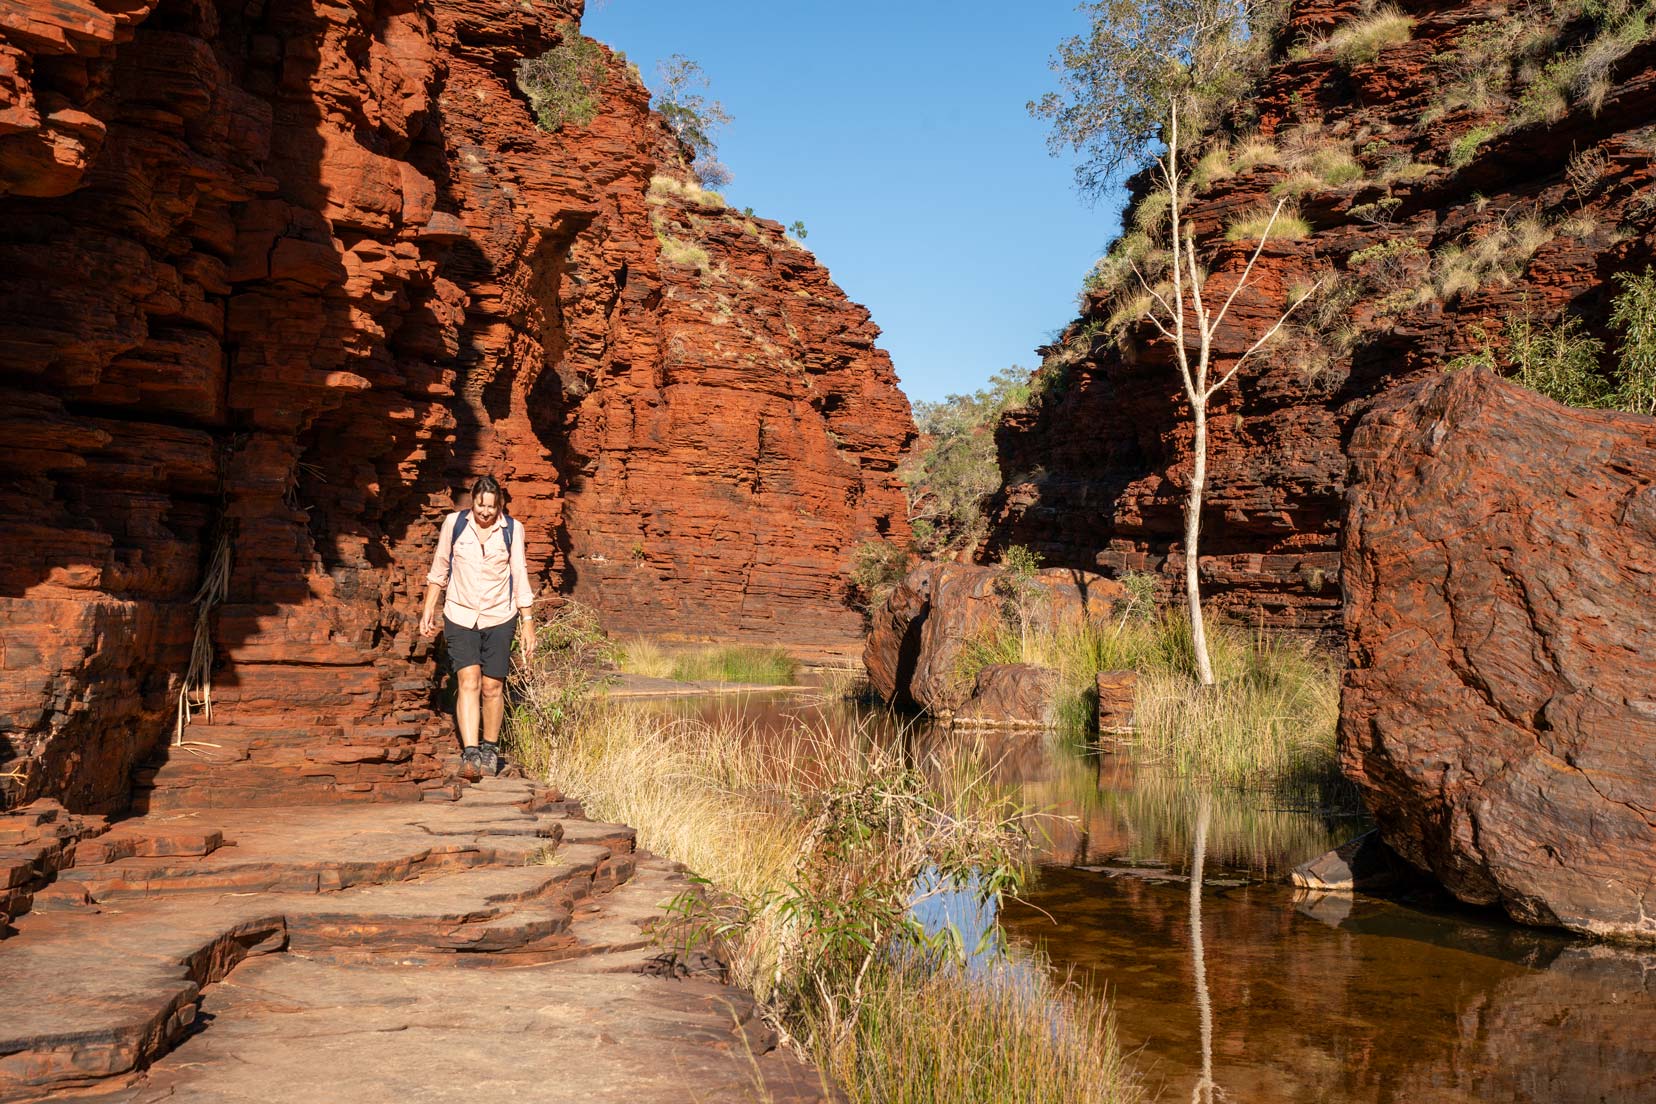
(491, 758)
(471, 764)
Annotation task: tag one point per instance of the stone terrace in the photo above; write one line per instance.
(493, 943)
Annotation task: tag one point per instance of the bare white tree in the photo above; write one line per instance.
(1143, 69)
(1179, 309)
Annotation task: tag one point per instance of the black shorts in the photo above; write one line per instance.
(491, 647)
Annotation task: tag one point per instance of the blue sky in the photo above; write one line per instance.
(897, 132)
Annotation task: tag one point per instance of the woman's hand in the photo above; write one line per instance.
(526, 636)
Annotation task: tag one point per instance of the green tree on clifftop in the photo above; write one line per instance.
(692, 117)
(1139, 57)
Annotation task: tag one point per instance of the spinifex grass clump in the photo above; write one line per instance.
(813, 845)
(639, 656)
(737, 663)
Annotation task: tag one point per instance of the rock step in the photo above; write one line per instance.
(330, 849)
(36, 842)
(97, 995)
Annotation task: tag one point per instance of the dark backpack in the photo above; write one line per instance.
(460, 527)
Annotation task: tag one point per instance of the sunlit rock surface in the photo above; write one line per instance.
(288, 276)
(1499, 712)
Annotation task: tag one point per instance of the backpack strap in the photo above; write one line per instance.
(511, 581)
(460, 527)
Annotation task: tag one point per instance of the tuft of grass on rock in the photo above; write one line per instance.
(1361, 41)
(1251, 225)
(680, 252)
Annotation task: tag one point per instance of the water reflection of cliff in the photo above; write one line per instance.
(1390, 1005)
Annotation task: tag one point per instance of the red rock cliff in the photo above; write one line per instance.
(287, 274)
(1476, 220)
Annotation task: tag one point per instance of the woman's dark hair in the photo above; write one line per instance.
(488, 484)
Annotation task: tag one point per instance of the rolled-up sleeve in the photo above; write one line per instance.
(521, 587)
(439, 573)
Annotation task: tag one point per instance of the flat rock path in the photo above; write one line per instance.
(492, 947)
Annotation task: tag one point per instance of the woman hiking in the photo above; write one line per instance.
(479, 559)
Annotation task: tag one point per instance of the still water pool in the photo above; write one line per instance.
(1330, 999)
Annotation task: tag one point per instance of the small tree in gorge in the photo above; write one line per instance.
(1145, 71)
(692, 117)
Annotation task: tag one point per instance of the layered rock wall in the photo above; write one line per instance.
(1446, 222)
(284, 277)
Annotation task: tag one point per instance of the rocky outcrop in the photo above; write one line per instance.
(1498, 713)
(917, 642)
(719, 476)
(1430, 237)
(283, 278)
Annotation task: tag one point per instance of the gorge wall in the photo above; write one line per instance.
(280, 278)
(1437, 210)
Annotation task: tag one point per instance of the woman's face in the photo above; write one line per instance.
(485, 509)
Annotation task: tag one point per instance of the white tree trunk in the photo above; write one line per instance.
(1193, 534)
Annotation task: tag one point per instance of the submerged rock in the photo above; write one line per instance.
(914, 649)
(1364, 864)
(1499, 712)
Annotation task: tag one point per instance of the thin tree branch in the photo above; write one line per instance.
(1266, 336)
(1248, 270)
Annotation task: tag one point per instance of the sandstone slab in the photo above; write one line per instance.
(349, 952)
(1117, 691)
(1498, 712)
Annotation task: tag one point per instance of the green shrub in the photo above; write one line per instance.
(876, 569)
(1560, 361)
(1463, 149)
(563, 84)
(1634, 313)
(949, 482)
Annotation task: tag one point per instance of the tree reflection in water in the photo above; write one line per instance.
(1202, 1093)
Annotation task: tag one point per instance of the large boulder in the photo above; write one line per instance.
(1499, 712)
(914, 648)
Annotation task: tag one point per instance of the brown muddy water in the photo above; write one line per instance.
(1332, 999)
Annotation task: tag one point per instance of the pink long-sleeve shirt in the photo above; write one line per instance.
(487, 582)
